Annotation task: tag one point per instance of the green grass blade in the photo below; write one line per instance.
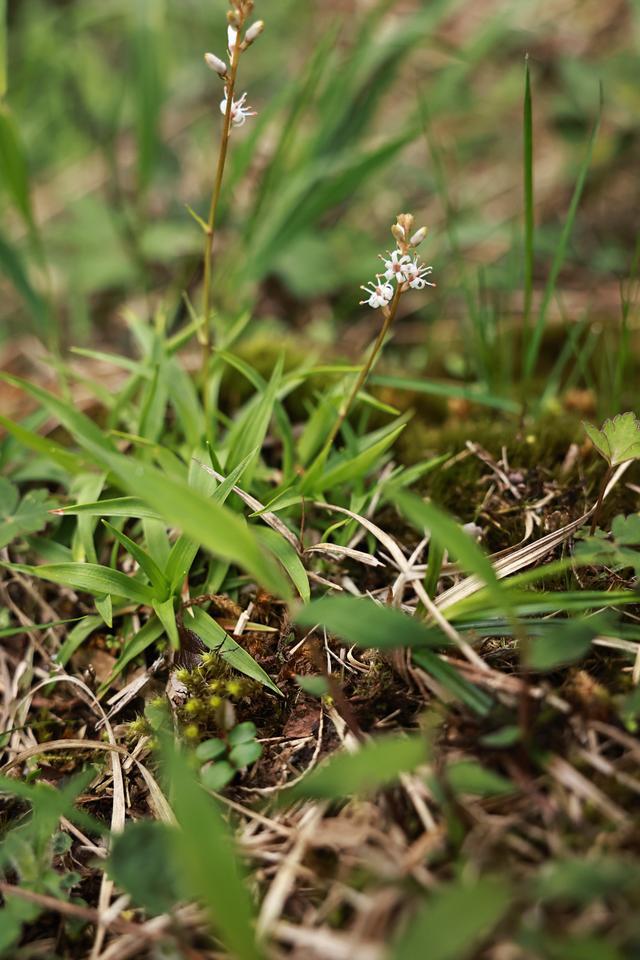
(287, 556)
(14, 173)
(206, 858)
(89, 578)
(212, 526)
(4, 76)
(144, 561)
(376, 765)
(452, 537)
(217, 639)
(528, 199)
(533, 347)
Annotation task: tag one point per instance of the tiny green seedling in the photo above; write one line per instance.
(618, 442)
(224, 758)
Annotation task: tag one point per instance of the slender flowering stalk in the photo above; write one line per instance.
(235, 113)
(405, 268)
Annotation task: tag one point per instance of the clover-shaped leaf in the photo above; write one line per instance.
(18, 517)
(619, 439)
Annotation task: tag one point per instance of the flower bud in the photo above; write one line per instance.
(216, 64)
(254, 32)
(418, 237)
(232, 39)
(398, 232)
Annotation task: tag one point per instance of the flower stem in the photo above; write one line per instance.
(366, 370)
(598, 506)
(230, 86)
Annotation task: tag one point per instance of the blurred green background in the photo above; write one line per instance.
(110, 125)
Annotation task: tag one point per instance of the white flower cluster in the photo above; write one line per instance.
(240, 111)
(407, 272)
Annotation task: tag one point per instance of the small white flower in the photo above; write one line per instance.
(378, 294)
(254, 32)
(239, 112)
(394, 267)
(418, 237)
(415, 273)
(216, 64)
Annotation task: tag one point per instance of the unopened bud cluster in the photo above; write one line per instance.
(402, 266)
(238, 40)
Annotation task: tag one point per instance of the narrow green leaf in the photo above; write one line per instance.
(166, 614)
(351, 468)
(129, 507)
(213, 526)
(144, 561)
(152, 629)
(217, 639)
(104, 606)
(76, 638)
(14, 174)
(53, 451)
(453, 538)
(90, 578)
(287, 556)
(527, 153)
(205, 857)
(533, 348)
(374, 766)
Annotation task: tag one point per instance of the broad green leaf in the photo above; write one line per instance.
(217, 639)
(205, 858)
(455, 919)
(375, 765)
(19, 517)
(90, 578)
(141, 863)
(619, 439)
(583, 880)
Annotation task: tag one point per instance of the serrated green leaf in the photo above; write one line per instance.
(19, 517)
(619, 439)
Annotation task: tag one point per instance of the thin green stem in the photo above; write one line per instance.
(366, 370)
(598, 506)
(230, 86)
